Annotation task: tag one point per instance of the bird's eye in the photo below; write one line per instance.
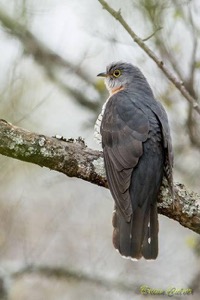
(116, 73)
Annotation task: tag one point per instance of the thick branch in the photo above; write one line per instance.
(178, 83)
(71, 157)
(74, 159)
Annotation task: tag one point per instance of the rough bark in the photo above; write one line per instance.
(74, 159)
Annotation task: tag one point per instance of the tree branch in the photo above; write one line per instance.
(178, 83)
(48, 59)
(74, 159)
(71, 157)
(76, 275)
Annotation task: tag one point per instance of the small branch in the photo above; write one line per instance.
(179, 84)
(195, 48)
(3, 289)
(151, 35)
(76, 275)
(74, 159)
(160, 42)
(48, 59)
(42, 54)
(192, 122)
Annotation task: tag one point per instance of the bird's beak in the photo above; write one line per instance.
(103, 74)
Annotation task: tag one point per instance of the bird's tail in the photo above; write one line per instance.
(139, 237)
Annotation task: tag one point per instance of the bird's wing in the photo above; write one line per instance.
(124, 128)
(158, 109)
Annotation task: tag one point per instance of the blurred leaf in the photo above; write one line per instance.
(191, 241)
(100, 86)
(178, 14)
(197, 64)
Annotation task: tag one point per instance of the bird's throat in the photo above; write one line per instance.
(116, 90)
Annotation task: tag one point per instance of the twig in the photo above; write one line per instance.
(151, 35)
(74, 159)
(167, 54)
(179, 84)
(48, 59)
(76, 275)
(195, 47)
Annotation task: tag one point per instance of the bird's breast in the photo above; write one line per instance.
(97, 134)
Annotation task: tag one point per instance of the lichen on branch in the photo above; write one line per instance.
(74, 159)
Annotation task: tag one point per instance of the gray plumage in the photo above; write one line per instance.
(137, 154)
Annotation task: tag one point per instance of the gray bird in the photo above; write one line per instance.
(134, 131)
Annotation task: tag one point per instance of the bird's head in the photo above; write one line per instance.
(119, 76)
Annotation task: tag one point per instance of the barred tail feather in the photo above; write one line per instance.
(139, 237)
(150, 242)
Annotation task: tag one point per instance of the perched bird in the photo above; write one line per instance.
(134, 132)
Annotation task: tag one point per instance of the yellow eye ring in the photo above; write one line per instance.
(116, 73)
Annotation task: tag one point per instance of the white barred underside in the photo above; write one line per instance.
(97, 134)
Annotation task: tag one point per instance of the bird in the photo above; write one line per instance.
(134, 132)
